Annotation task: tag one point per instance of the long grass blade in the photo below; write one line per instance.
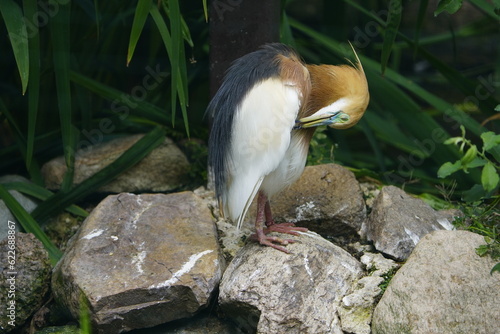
(422, 10)
(391, 30)
(121, 103)
(141, 14)
(30, 9)
(34, 169)
(41, 193)
(488, 7)
(179, 71)
(16, 28)
(29, 224)
(59, 32)
(128, 159)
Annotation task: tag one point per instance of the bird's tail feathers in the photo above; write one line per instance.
(248, 202)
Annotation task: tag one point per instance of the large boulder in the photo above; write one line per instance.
(164, 169)
(25, 279)
(398, 221)
(141, 260)
(275, 292)
(444, 287)
(326, 199)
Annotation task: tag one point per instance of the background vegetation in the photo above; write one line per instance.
(78, 73)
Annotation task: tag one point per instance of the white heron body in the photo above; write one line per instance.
(260, 147)
(264, 116)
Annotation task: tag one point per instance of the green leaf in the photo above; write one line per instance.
(453, 140)
(29, 224)
(470, 155)
(16, 28)
(496, 267)
(128, 159)
(391, 30)
(482, 250)
(141, 14)
(489, 177)
(448, 168)
(474, 194)
(490, 140)
(451, 6)
(477, 162)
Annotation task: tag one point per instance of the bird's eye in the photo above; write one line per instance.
(344, 117)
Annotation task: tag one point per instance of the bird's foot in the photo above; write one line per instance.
(275, 242)
(288, 228)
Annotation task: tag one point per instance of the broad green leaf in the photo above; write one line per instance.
(141, 14)
(451, 6)
(490, 140)
(489, 177)
(497, 108)
(128, 159)
(391, 30)
(29, 224)
(448, 168)
(16, 29)
(477, 162)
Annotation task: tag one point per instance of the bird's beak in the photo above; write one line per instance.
(323, 118)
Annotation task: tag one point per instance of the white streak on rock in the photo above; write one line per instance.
(308, 269)
(415, 238)
(186, 267)
(94, 233)
(445, 224)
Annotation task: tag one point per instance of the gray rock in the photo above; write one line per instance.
(444, 287)
(398, 221)
(141, 260)
(164, 169)
(24, 282)
(357, 308)
(26, 202)
(326, 199)
(275, 292)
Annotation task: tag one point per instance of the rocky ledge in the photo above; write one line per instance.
(142, 260)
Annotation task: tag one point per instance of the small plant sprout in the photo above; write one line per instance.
(486, 158)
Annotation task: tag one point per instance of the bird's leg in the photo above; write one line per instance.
(268, 213)
(264, 215)
(288, 228)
